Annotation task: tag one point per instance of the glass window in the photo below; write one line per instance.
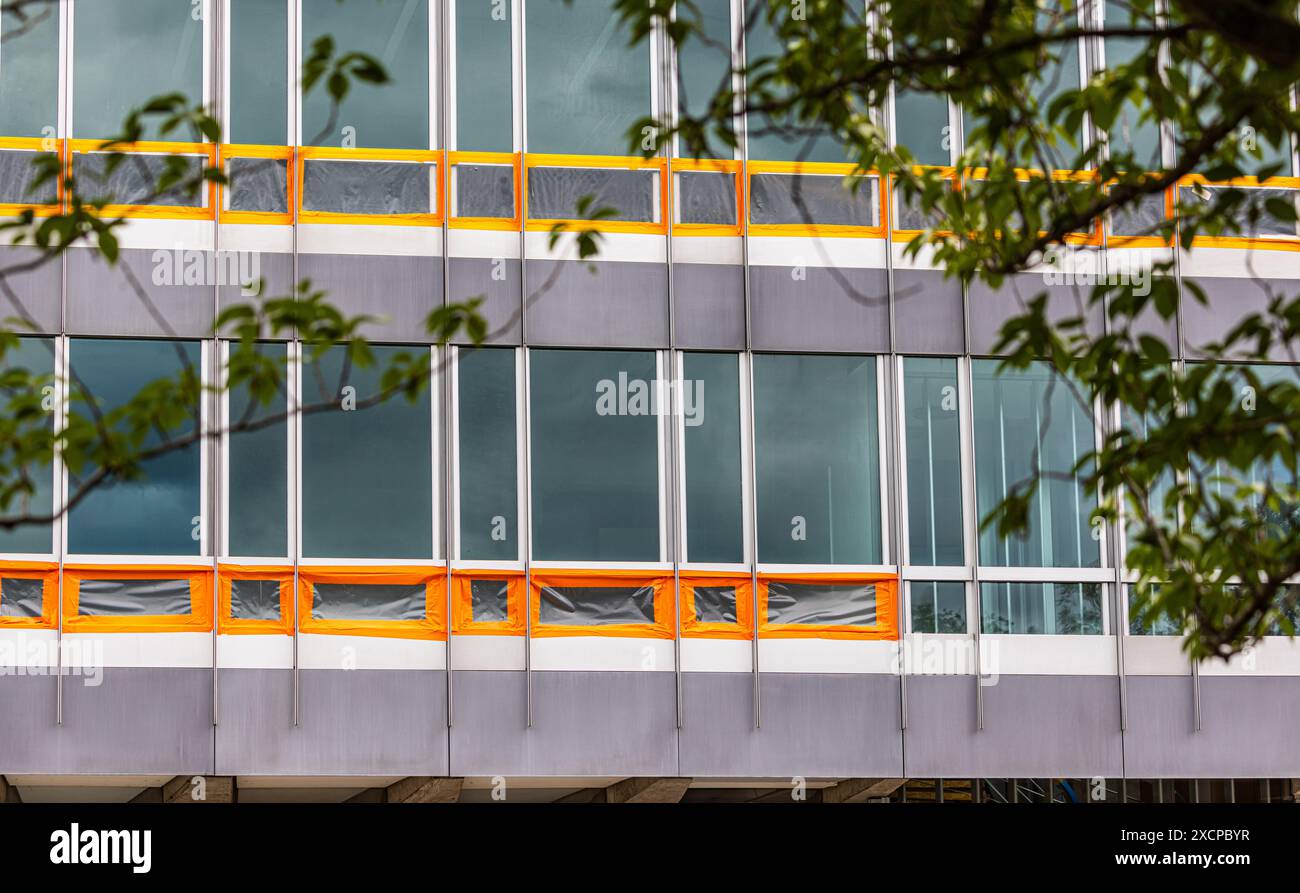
(488, 454)
(258, 184)
(394, 115)
(484, 106)
(596, 605)
(921, 124)
(1132, 132)
(586, 85)
(707, 197)
(162, 39)
(483, 190)
(489, 601)
(159, 512)
(141, 597)
(367, 467)
(817, 459)
(368, 601)
(938, 607)
(1161, 626)
(710, 412)
(259, 72)
(1030, 423)
(36, 356)
(29, 70)
(1053, 609)
(813, 198)
(255, 599)
(595, 460)
(257, 463)
(777, 139)
(822, 604)
(703, 69)
(554, 193)
(368, 187)
(931, 422)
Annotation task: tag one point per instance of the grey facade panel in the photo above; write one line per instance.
(1034, 727)
(352, 722)
(145, 295)
(36, 293)
(990, 308)
(709, 306)
(496, 281)
(138, 721)
(816, 309)
(1229, 301)
(584, 723)
(400, 290)
(813, 725)
(603, 304)
(1249, 727)
(928, 314)
(275, 269)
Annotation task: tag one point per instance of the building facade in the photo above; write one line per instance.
(703, 506)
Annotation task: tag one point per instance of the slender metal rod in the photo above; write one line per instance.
(444, 175)
(214, 530)
(526, 525)
(294, 369)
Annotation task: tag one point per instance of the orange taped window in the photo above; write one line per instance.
(717, 606)
(126, 598)
(27, 595)
(603, 603)
(487, 603)
(388, 602)
(832, 606)
(256, 600)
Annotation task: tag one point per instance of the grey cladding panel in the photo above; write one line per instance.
(709, 306)
(353, 722)
(274, 270)
(138, 721)
(35, 303)
(618, 305)
(146, 295)
(928, 313)
(991, 308)
(814, 725)
(817, 309)
(1229, 300)
(1249, 727)
(497, 283)
(401, 290)
(1034, 726)
(584, 723)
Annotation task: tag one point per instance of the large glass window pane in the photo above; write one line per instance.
(921, 124)
(488, 455)
(29, 70)
(258, 472)
(36, 357)
(259, 72)
(938, 607)
(1132, 132)
(394, 115)
(779, 139)
(704, 68)
(484, 107)
(710, 412)
(126, 52)
(595, 460)
(933, 435)
(586, 85)
(157, 513)
(1031, 423)
(367, 468)
(1053, 609)
(817, 459)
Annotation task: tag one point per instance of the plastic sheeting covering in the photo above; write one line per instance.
(553, 193)
(489, 601)
(16, 175)
(1140, 218)
(812, 199)
(485, 190)
(821, 604)
(135, 179)
(597, 605)
(20, 597)
(715, 604)
(124, 597)
(368, 601)
(258, 184)
(1265, 226)
(255, 599)
(908, 214)
(367, 187)
(706, 197)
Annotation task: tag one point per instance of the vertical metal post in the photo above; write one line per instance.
(217, 46)
(444, 178)
(526, 525)
(294, 368)
(61, 366)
